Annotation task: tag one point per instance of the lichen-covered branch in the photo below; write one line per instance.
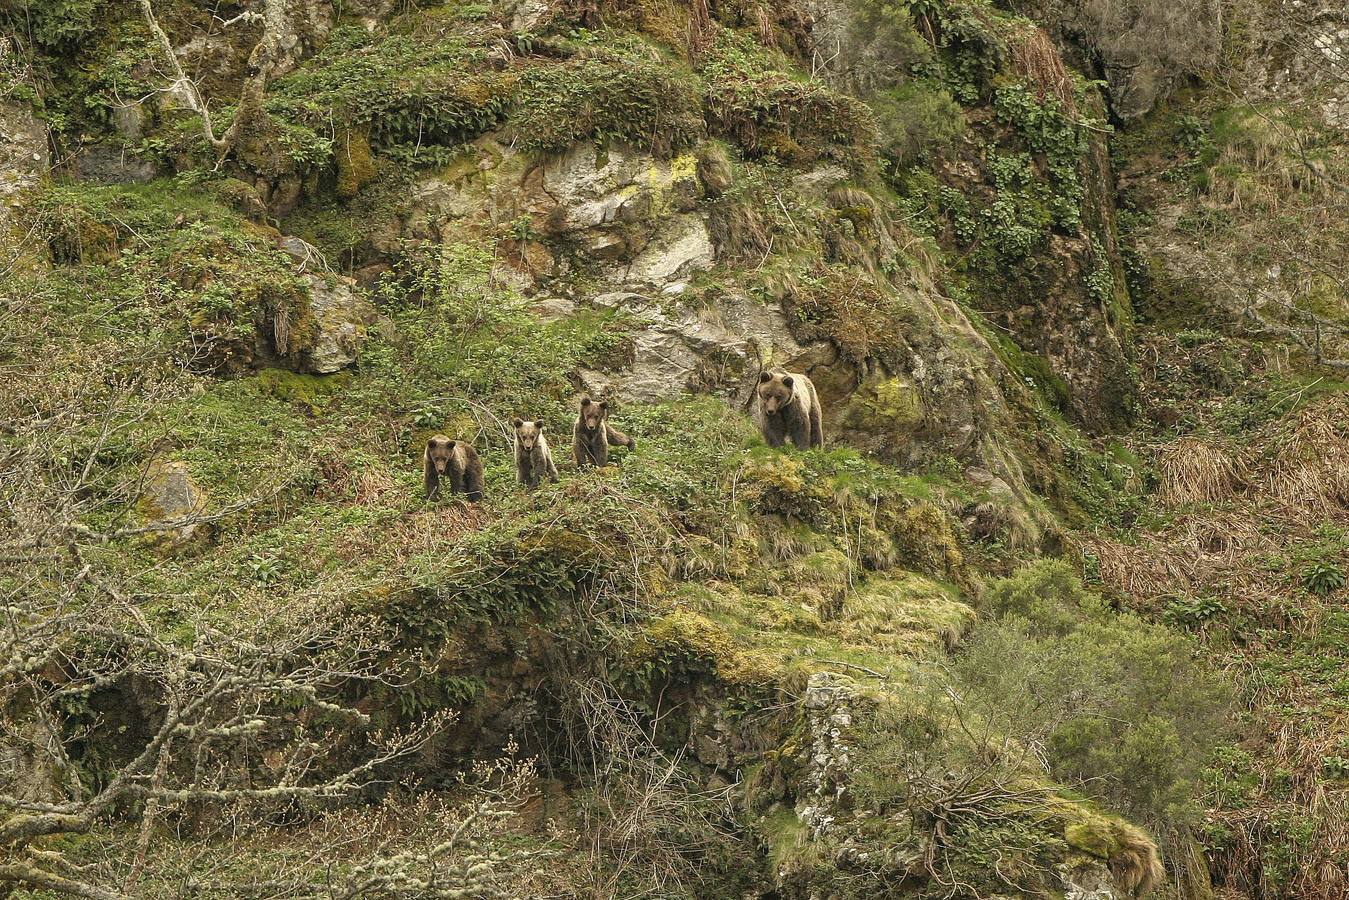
(262, 62)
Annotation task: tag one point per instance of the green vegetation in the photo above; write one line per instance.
(988, 643)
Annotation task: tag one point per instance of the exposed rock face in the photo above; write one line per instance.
(338, 319)
(110, 164)
(1088, 881)
(29, 751)
(828, 702)
(1143, 50)
(342, 316)
(631, 223)
(705, 349)
(24, 159)
(168, 495)
(307, 25)
(627, 213)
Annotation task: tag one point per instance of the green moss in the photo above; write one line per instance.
(1091, 837)
(786, 835)
(434, 85)
(311, 391)
(611, 92)
(354, 165)
(689, 643)
(927, 541)
(890, 405)
(755, 99)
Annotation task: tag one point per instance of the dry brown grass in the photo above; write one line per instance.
(1307, 461)
(1278, 493)
(1187, 556)
(1197, 471)
(1137, 867)
(436, 529)
(1035, 58)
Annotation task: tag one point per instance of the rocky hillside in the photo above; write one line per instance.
(1056, 612)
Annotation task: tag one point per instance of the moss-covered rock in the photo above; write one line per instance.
(685, 643)
(170, 500)
(354, 164)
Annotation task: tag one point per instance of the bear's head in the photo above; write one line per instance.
(775, 390)
(439, 451)
(593, 414)
(528, 433)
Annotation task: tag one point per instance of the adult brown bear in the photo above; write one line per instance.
(789, 408)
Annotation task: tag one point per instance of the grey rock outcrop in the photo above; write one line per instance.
(828, 703)
(170, 495)
(24, 161)
(342, 317)
(339, 315)
(681, 348)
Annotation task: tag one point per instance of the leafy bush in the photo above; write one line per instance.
(1047, 596)
(1050, 132)
(1193, 611)
(436, 90)
(605, 95)
(52, 24)
(1120, 704)
(916, 120)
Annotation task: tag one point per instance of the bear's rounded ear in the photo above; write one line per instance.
(449, 445)
(787, 381)
(538, 426)
(518, 422)
(604, 404)
(766, 376)
(585, 401)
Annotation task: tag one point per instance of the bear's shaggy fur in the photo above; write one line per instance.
(789, 408)
(455, 459)
(592, 434)
(533, 459)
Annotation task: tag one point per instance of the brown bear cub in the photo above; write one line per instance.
(533, 459)
(592, 434)
(457, 460)
(789, 408)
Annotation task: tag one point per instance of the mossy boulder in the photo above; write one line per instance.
(320, 327)
(686, 643)
(170, 495)
(885, 406)
(342, 316)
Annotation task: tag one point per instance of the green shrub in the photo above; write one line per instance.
(1047, 595)
(603, 95)
(1122, 705)
(433, 89)
(52, 24)
(1191, 611)
(755, 99)
(916, 120)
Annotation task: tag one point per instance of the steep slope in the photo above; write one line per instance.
(734, 669)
